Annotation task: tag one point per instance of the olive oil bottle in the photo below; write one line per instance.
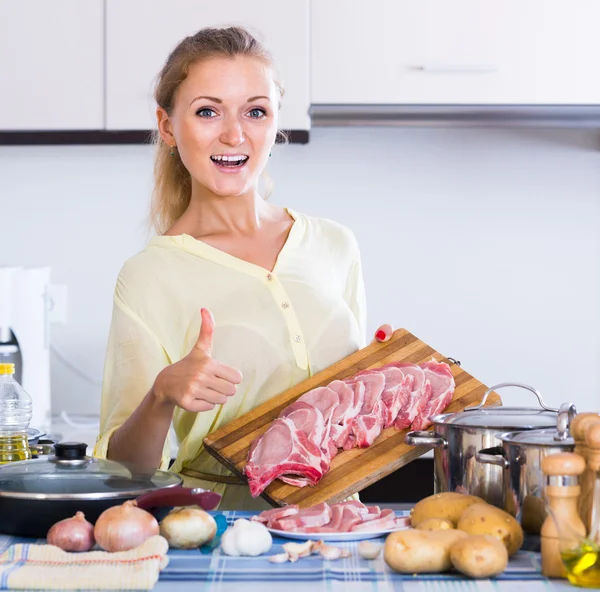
(15, 415)
(582, 564)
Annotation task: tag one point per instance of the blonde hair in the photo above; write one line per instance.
(172, 181)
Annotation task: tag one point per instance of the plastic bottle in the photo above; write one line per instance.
(15, 415)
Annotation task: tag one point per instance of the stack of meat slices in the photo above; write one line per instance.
(351, 516)
(299, 445)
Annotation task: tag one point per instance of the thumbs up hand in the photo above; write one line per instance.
(198, 382)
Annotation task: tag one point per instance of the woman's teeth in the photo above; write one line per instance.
(234, 160)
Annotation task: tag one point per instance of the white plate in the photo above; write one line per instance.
(338, 537)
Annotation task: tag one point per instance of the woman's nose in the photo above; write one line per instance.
(233, 133)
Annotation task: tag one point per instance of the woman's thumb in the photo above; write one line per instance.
(205, 338)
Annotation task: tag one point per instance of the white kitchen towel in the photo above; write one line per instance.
(46, 567)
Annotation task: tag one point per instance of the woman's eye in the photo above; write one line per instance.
(205, 112)
(257, 113)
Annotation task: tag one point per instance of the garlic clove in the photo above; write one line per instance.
(279, 558)
(369, 549)
(332, 553)
(297, 550)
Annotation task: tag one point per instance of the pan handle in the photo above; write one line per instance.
(425, 438)
(179, 496)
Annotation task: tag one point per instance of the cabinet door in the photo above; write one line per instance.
(458, 52)
(51, 65)
(141, 34)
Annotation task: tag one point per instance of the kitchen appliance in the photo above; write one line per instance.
(521, 456)
(458, 437)
(35, 494)
(25, 334)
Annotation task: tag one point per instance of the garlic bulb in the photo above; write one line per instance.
(188, 528)
(246, 538)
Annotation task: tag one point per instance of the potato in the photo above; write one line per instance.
(479, 556)
(435, 524)
(448, 506)
(420, 551)
(487, 519)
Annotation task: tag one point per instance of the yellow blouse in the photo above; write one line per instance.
(277, 328)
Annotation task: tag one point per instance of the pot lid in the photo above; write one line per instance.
(500, 418)
(509, 418)
(71, 475)
(548, 437)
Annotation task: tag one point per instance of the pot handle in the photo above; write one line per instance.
(518, 384)
(566, 413)
(179, 496)
(425, 438)
(492, 459)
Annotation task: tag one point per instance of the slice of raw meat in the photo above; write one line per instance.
(282, 450)
(420, 395)
(386, 521)
(442, 383)
(325, 400)
(396, 394)
(268, 516)
(346, 401)
(307, 418)
(367, 425)
(313, 517)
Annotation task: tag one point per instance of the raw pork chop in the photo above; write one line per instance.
(396, 394)
(282, 450)
(351, 401)
(442, 389)
(268, 516)
(313, 517)
(367, 425)
(419, 396)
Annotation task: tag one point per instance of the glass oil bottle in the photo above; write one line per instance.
(582, 560)
(15, 415)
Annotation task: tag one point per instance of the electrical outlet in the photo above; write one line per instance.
(57, 303)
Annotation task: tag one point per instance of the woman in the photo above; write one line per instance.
(236, 300)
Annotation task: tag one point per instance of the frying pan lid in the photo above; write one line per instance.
(70, 474)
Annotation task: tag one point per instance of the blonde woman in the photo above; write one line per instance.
(235, 300)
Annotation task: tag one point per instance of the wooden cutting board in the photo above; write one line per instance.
(351, 470)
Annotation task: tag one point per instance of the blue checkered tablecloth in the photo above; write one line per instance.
(207, 569)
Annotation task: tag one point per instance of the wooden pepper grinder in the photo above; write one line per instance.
(592, 438)
(579, 427)
(562, 492)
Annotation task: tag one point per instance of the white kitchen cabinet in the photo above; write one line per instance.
(529, 52)
(51, 65)
(141, 33)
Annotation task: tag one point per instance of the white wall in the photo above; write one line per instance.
(483, 243)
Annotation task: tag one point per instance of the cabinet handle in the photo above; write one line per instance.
(455, 68)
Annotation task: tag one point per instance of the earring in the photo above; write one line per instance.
(172, 151)
(269, 155)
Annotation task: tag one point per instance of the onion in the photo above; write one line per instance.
(188, 528)
(72, 534)
(124, 527)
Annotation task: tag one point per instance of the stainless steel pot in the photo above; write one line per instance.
(520, 459)
(458, 437)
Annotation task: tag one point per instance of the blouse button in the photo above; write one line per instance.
(284, 305)
(297, 338)
(269, 277)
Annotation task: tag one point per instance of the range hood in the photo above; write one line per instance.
(549, 116)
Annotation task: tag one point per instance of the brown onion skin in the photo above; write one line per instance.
(72, 534)
(124, 527)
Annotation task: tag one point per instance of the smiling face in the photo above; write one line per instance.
(224, 123)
